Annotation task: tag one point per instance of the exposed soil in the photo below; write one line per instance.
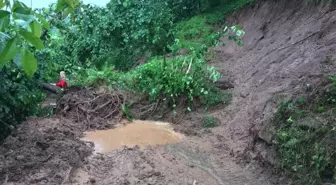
(51, 151)
(42, 151)
(288, 44)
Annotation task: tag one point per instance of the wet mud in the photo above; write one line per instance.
(136, 133)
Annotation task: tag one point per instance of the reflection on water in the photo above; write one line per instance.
(140, 133)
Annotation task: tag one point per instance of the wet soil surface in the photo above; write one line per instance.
(51, 151)
(131, 134)
(58, 149)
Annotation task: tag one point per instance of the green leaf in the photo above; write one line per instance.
(29, 63)
(2, 4)
(70, 3)
(43, 21)
(21, 11)
(125, 4)
(9, 52)
(61, 4)
(67, 11)
(32, 39)
(36, 28)
(4, 19)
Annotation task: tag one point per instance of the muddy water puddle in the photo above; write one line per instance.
(136, 133)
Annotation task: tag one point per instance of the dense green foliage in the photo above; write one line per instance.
(117, 34)
(20, 32)
(19, 98)
(104, 43)
(306, 134)
(162, 79)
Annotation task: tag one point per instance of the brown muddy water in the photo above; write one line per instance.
(135, 133)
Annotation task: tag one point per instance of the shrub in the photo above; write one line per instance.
(187, 76)
(209, 121)
(118, 33)
(20, 97)
(304, 142)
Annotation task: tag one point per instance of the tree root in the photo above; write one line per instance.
(92, 109)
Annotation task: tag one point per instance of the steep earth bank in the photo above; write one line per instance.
(288, 44)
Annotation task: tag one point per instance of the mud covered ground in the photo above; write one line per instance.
(50, 151)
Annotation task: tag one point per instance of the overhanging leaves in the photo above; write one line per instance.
(4, 19)
(68, 7)
(43, 21)
(29, 63)
(22, 12)
(10, 51)
(32, 39)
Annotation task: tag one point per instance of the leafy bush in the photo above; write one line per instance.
(20, 97)
(216, 96)
(162, 79)
(187, 76)
(303, 141)
(118, 33)
(195, 33)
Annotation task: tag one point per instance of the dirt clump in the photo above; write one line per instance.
(95, 110)
(42, 151)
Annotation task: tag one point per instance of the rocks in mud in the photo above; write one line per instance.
(42, 145)
(309, 122)
(20, 157)
(224, 84)
(267, 132)
(92, 180)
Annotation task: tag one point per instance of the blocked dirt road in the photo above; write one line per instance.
(50, 151)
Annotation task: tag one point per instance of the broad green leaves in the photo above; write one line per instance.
(32, 39)
(29, 63)
(10, 51)
(36, 28)
(29, 30)
(22, 12)
(4, 19)
(68, 7)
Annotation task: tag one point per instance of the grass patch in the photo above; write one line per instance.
(195, 33)
(204, 30)
(305, 136)
(216, 96)
(209, 121)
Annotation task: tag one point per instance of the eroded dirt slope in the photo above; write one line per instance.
(288, 44)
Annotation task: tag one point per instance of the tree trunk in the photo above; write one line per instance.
(51, 88)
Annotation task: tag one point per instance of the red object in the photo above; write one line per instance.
(61, 84)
